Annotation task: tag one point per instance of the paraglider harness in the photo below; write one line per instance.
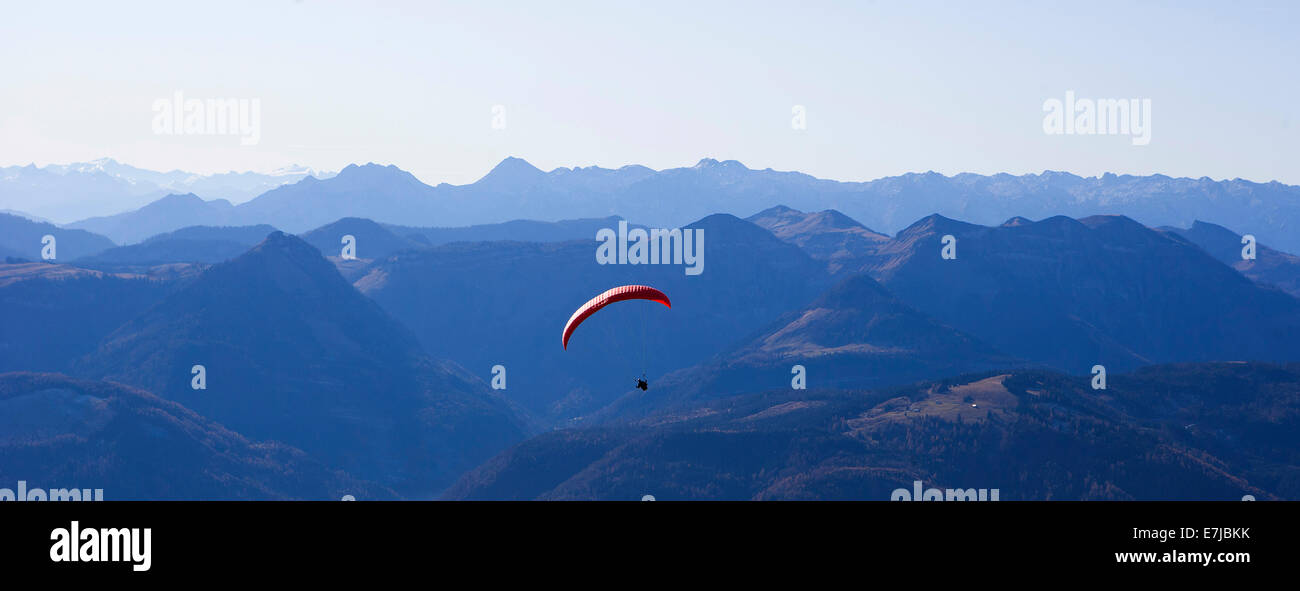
(642, 384)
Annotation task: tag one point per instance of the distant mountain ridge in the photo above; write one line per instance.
(68, 192)
(826, 235)
(371, 240)
(521, 230)
(208, 244)
(25, 238)
(671, 197)
(1270, 266)
(191, 244)
(164, 215)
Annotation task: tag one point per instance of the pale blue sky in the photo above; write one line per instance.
(889, 87)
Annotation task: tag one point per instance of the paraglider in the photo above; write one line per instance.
(617, 294)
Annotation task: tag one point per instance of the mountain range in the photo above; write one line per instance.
(50, 315)
(159, 217)
(291, 352)
(505, 303)
(23, 238)
(64, 193)
(1063, 293)
(825, 235)
(61, 433)
(1187, 432)
(1101, 290)
(1269, 267)
(951, 352)
(192, 244)
(514, 190)
(1073, 293)
(855, 335)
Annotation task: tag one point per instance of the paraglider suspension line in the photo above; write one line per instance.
(644, 350)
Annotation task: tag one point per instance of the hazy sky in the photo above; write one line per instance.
(888, 87)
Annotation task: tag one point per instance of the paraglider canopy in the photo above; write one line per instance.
(617, 294)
